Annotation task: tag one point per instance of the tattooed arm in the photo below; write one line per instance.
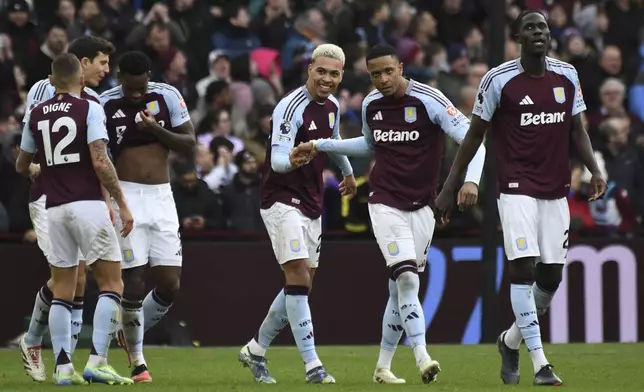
(105, 171)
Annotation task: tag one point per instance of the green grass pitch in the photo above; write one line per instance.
(583, 367)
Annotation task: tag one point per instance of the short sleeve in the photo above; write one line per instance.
(488, 97)
(286, 121)
(579, 105)
(96, 129)
(39, 92)
(176, 106)
(444, 114)
(28, 143)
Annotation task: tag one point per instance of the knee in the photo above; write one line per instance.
(548, 276)
(81, 281)
(522, 271)
(406, 276)
(298, 273)
(133, 284)
(169, 288)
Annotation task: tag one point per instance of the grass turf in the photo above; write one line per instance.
(583, 367)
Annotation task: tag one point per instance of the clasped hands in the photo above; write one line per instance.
(305, 152)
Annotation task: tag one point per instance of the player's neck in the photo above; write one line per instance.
(402, 90)
(534, 65)
(74, 91)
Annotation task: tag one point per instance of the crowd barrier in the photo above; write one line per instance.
(227, 287)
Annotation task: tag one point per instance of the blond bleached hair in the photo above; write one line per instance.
(329, 50)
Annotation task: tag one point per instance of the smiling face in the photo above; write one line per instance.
(325, 74)
(534, 35)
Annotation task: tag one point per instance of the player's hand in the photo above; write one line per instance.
(599, 187)
(112, 213)
(302, 154)
(34, 170)
(186, 223)
(147, 119)
(127, 221)
(198, 222)
(444, 204)
(348, 187)
(30, 236)
(468, 196)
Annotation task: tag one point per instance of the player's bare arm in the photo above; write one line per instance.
(106, 174)
(181, 139)
(24, 165)
(585, 149)
(471, 143)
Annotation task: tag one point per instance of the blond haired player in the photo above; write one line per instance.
(291, 207)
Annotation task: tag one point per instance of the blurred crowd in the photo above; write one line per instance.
(234, 60)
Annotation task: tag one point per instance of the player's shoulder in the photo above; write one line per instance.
(40, 91)
(334, 100)
(92, 94)
(292, 103)
(110, 95)
(501, 74)
(561, 67)
(372, 96)
(168, 92)
(428, 95)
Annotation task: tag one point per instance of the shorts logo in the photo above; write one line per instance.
(560, 94)
(392, 248)
(128, 256)
(522, 244)
(295, 246)
(410, 114)
(153, 107)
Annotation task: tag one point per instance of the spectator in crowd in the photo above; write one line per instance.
(622, 161)
(236, 38)
(232, 62)
(241, 196)
(55, 43)
(197, 206)
(218, 124)
(224, 166)
(66, 12)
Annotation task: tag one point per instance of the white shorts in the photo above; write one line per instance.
(81, 224)
(535, 228)
(39, 221)
(293, 235)
(155, 236)
(403, 235)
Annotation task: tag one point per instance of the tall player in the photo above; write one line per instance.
(145, 121)
(93, 54)
(69, 137)
(291, 206)
(533, 108)
(403, 123)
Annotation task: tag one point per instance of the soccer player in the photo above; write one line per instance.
(532, 106)
(69, 137)
(403, 123)
(93, 54)
(291, 206)
(145, 121)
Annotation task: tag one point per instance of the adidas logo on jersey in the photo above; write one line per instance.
(378, 116)
(542, 118)
(393, 136)
(312, 127)
(119, 114)
(526, 101)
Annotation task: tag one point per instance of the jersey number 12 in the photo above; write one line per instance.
(57, 157)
